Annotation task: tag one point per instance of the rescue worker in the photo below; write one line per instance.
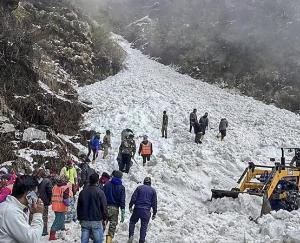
(95, 145)
(6, 187)
(193, 119)
(127, 151)
(45, 194)
(115, 196)
(92, 211)
(296, 158)
(145, 149)
(144, 198)
(70, 172)
(165, 121)
(106, 144)
(223, 127)
(60, 203)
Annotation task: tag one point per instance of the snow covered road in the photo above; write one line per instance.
(183, 173)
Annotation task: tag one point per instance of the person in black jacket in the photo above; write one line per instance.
(92, 210)
(115, 194)
(197, 130)
(44, 193)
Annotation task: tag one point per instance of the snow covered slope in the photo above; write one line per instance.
(183, 173)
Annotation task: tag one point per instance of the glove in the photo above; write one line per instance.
(153, 216)
(130, 210)
(122, 215)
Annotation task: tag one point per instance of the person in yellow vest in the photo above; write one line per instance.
(145, 149)
(70, 172)
(60, 203)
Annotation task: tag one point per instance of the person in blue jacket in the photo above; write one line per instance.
(95, 146)
(115, 195)
(144, 198)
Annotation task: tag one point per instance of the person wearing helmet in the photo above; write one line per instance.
(144, 198)
(145, 149)
(106, 144)
(127, 151)
(296, 158)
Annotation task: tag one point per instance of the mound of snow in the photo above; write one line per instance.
(183, 173)
(31, 134)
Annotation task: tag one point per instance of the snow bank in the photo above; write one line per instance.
(31, 134)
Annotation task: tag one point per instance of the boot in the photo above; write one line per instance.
(52, 235)
(130, 240)
(108, 239)
(45, 232)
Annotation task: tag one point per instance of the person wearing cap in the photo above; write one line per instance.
(92, 211)
(6, 187)
(145, 149)
(127, 151)
(144, 198)
(14, 226)
(193, 119)
(164, 128)
(115, 195)
(106, 144)
(70, 172)
(60, 202)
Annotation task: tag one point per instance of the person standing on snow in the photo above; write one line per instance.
(165, 121)
(85, 170)
(144, 198)
(193, 119)
(197, 131)
(204, 120)
(60, 202)
(145, 149)
(70, 172)
(115, 195)
(92, 211)
(106, 144)
(223, 127)
(45, 194)
(296, 158)
(95, 146)
(127, 150)
(14, 226)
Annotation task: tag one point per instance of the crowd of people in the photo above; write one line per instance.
(25, 202)
(25, 199)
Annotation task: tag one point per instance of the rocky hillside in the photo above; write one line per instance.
(47, 48)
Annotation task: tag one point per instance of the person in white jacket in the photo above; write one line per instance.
(14, 226)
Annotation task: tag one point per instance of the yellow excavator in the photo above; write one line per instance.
(279, 185)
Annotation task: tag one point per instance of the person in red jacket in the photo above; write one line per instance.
(145, 150)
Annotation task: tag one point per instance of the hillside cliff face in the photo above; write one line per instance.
(47, 49)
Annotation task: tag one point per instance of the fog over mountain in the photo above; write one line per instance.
(252, 46)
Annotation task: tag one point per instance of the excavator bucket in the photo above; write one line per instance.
(223, 193)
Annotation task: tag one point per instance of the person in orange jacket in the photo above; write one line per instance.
(60, 202)
(145, 149)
